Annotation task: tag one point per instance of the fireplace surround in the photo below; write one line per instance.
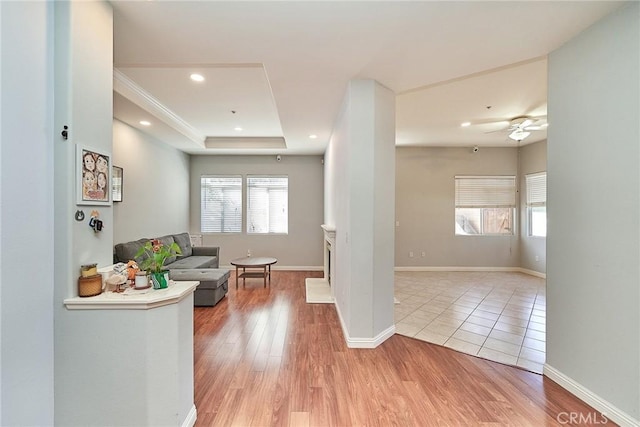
(319, 290)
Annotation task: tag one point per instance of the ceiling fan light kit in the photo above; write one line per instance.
(519, 135)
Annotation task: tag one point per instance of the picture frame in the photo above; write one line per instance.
(116, 183)
(93, 177)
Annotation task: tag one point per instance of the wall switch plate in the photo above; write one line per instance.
(410, 254)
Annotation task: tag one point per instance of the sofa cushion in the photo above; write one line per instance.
(127, 251)
(184, 241)
(209, 278)
(194, 262)
(167, 241)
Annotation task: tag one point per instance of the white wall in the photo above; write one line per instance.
(26, 223)
(156, 186)
(83, 101)
(360, 159)
(302, 247)
(533, 159)
(425, 206)
(593, 242)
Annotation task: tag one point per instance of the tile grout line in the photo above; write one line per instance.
(493, 288)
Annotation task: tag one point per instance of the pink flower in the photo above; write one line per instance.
(156, 245)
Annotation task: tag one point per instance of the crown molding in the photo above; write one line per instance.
(241, 142)
(134, 93)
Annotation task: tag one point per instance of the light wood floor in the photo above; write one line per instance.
(263, 357)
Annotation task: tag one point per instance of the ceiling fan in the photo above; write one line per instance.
(521, 127)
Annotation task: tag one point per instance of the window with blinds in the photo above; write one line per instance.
(485, 205)
(221, 204)
(537, 203)
(267, 204)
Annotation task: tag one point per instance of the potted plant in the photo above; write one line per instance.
(154, 255)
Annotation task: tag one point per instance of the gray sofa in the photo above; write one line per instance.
(191, 257)
(195, 263)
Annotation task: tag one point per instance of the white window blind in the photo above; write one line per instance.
(267, 204)
(537, 203)
(536, 189)
(221, 204)
(485, 191)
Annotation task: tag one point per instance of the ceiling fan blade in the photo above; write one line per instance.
(538, 124)
(522, 124)
(526, 123)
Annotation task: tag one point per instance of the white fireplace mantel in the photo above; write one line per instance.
(319, 290)
(329, 228)
(329, 242)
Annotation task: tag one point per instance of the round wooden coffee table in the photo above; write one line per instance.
(254, 263)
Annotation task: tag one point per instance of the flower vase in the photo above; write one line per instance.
(141, 280)
(160, 280)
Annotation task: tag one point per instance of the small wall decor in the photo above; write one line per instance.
(94, 222)
(116, 184)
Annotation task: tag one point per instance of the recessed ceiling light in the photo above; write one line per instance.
(145, 123)
(465, 124)
(313, 136)
(237, 128)
(197, 77)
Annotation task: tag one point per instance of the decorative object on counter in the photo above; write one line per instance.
(160, 279)
(90, 286)
(132, 270)
(88, 270)
(141, 280)
(154, 255)
(120, 268)
(119, 281)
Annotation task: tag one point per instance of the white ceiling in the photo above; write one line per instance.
(279, 70)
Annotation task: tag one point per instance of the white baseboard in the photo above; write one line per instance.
(413, 268)
(532, 273)
(284, 267)
(607, 409)
(355, 342)
(190, 421)
(463, 268)
(454, 268)
(298, 267)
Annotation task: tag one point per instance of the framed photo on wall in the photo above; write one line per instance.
(116, 184)
(93, 177)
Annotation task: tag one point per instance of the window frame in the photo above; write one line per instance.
(535, 200)
(496, 192)
(241, 201)
(248, 211)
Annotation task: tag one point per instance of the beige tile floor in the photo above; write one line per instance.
(498, 316)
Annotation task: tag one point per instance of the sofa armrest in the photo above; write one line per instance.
(206, 251)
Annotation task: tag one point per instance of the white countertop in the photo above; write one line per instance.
(133, 299)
